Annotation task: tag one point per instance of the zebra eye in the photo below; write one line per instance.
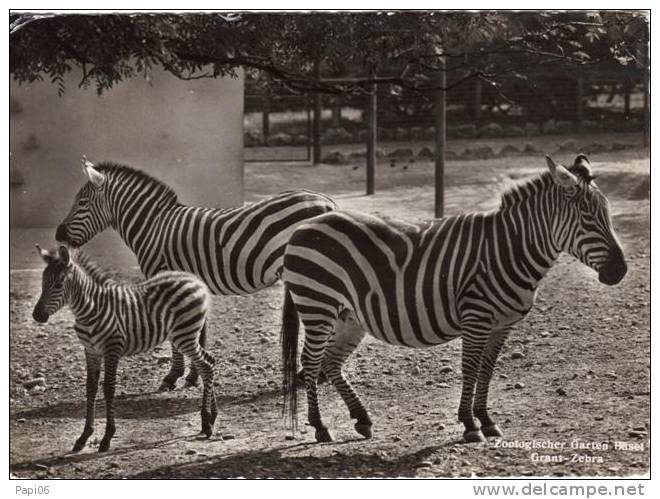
(83, 202)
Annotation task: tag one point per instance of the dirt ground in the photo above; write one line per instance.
(582, 380)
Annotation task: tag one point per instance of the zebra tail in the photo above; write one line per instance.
(289, 341)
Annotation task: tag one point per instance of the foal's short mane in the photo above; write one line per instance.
(92, 269)
(123, 171)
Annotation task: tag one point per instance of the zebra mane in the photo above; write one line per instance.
(520, 193)
(123, 171)
(524, 191)
(92, 269)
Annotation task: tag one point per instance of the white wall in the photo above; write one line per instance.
(187, 133)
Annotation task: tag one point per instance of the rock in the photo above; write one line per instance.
(640, 428)
(417, 133)
(561, 391)
(228, 436)
(336, 136)
(40, 381)
(568, 146)
(620, 146)
(564, 127)
(335, 158)
(594, 148)
(503, 376)
(301, 140)
(517, 355)
(483, 152)
(401, 153)
(289, 437)
(519, 386)
(21, 420)
(532, 129)
(425, 464)
(509, 150)
(279, 139)
(549, 127)
(416, 371)
(514, 131)
(426, 154)
(191, 452)
(529, 148)
(599, 418)
(637, 434)
(443, 385)
(446, 369)
(491, 130)
(253, 138)
(440, 426)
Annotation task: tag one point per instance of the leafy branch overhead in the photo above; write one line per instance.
(404, 49)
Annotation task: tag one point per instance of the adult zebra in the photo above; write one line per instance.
(473, 276)
(236, 251)
(115, 320)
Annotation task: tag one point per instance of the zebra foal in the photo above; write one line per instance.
(472, 276)
(114, 320)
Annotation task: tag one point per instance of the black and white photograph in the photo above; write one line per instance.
(330, 244)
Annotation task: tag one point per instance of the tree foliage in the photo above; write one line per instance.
(402, 48)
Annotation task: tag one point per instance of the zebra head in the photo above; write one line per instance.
(90, 214)
(584, 227)
(53, 283)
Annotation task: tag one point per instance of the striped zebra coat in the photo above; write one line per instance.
(417, 285)
(235, 251)
(114, 320)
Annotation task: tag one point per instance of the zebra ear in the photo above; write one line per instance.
(45, 255)
(94, 176)
(63, 253)
(561, 175)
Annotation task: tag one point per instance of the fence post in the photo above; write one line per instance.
(645, 75)
(440, 136)
(265, 116)
(478, 91)
(318, 109)
(372, 127)
(580, 102)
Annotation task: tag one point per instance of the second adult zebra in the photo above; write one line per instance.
(235, 251)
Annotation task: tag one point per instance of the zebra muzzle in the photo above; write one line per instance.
(39, 314)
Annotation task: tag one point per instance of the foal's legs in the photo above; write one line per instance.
(193, 376)
(93, 363)
(205, 364)
(346, 338)
(488, 427)
(111, 361)
(177, 369)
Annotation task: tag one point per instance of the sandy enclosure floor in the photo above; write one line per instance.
(583, 377)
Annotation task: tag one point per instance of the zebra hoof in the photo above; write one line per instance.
(492, 431)
(364, 430)
(323, 435)
(104, 446)
(473, 436)
(78, 446)
(191, 383)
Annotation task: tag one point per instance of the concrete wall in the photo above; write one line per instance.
(187, 133)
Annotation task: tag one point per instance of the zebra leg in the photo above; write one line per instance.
(111, 362)
(473, 348)
(316, 337)
(495, 342)
(193, 377)
(177, 369)
(341, 345)
(205, 364)
(93, 370)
